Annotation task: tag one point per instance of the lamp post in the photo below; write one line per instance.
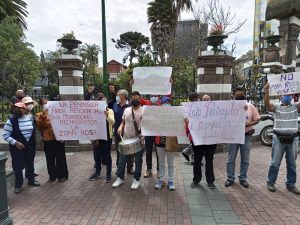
(155, 56)
(104, 49)
(141, 55)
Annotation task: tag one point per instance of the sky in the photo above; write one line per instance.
(48, 20)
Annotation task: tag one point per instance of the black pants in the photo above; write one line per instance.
(149, 141)
(130, 159)
(208, 151)
(56, 160)
(103, 152)
(22, 159)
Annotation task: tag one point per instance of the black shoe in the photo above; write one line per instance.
(34, 184)
(229, 183)
(35, 175)
(211, 185)
(293, 189)
(108, 180)
(130, 171)
(61, 180)
(94, 177)
(51, 180)
(244, 183)
(271, 187)
(186, 156)
(18, 190)
(194, 184)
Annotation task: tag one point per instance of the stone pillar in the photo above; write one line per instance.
(70, 85)
(214, 76)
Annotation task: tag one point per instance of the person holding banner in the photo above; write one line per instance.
(285, 140)
(162, 152)
(19, 131)
(149, 141)
(118, 109)
(55, 152)
(102, 148)
(251, 119)
(131, 128)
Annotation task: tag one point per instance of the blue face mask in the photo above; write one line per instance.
(154, 100)
(117, 99)
(286, 99)
(167, 104)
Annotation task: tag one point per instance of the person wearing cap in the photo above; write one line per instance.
(55, 152)
(20, 94)
(19, 133)
(102, 148)
(160, 143)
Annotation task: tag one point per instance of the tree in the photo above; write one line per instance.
(163, 16)
(15, 8)
(19, 65)
(70, 35)
(89, 54)
(131, 42)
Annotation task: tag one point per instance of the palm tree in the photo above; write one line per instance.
(15, 8)
(89, 53)
(163, 16)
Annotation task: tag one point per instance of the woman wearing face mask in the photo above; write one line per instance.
(102, 148)
(149, 141)
(129, 130)
(208, 151)
(19, 133)
(160, 143)
(54, 150)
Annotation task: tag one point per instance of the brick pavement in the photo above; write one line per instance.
(79, 201)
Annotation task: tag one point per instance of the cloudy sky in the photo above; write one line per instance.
(49, 19)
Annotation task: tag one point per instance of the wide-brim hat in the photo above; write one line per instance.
(20, 105)
(27, 100)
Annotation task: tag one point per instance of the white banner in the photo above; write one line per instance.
(215, 122)
(153, 80)
(78, 120)
(285, 83)
(163, 121)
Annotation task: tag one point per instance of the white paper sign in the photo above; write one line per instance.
(78, 120)
(285, 83)
(214, 122)
(153, 80)
(163, 121)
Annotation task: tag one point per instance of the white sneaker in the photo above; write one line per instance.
(118, 183)
(135, 184)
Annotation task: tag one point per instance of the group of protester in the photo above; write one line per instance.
(123, 118)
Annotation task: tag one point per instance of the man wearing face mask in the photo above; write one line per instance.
(252, 118)
(285, 140)
(149, 141)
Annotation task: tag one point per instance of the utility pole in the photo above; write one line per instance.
(104, 49)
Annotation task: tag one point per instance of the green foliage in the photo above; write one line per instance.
(131, 42)
(52, 90)
(15, 8)
(19, 65)
(124, 79)
(70, 35)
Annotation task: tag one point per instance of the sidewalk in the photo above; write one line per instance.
(79, 201)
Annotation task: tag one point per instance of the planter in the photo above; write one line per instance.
(69, 44)
(271, 54)
(215, 41)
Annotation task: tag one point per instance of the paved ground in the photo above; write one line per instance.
(79, 201)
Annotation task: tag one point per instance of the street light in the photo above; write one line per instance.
(155, 56)
(141, 53)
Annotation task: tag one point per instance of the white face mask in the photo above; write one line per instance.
(29, 107)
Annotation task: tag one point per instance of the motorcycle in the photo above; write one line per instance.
(267, 132)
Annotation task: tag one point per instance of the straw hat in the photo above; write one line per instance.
(28, 100)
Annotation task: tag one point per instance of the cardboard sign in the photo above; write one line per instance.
(163, 121)
(214, 122)
(153, 80)
(78, 120)
(285, 83)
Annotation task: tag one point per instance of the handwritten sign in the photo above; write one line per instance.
(216, 122)
(153, 80)
(163, 121)
(285, 83)
(78, 120)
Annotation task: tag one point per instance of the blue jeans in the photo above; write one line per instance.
(103, 152)
(149, 141)
(138, 165)
(278, 150)
(245, 156)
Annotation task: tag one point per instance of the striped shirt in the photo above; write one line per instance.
(286, 119)
(26, 128)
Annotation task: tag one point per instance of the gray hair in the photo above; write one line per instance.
(124, 93)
